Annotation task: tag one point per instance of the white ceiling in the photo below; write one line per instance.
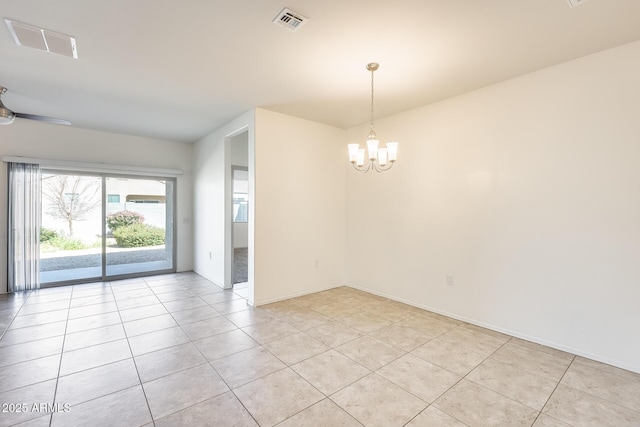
(179, 69)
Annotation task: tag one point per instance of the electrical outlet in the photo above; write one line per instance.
(317, 264)
(209, 254)
(450, 279)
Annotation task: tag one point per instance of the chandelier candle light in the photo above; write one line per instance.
(380, 159)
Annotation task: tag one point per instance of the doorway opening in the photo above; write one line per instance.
(239, 150)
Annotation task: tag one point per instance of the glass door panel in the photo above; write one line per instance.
(71, 233)
(139, 225)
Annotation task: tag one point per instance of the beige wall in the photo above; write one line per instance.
(528, 193)
(299, 206)
(33, 139)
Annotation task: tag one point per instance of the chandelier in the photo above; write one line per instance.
(380, 159)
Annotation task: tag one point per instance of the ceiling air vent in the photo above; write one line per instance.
(38, 38)
(289, 19)
(574, 3)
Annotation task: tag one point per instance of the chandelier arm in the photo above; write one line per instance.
(362, 168)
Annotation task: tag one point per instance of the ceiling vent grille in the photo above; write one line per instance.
(289, 19)
(574, 3)
(38, 38)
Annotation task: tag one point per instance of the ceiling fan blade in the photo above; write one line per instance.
(43, 119)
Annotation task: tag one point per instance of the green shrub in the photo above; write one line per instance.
(62, 243)
(122, 219)
(46, 234)
(138, 235)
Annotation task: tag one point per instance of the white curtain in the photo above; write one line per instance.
(24, 226)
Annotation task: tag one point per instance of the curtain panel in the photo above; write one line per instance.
(25, 199)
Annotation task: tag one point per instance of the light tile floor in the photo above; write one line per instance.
(176, 350)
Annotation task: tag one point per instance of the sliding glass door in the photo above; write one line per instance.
(98, 227)
(71, 233)
(139, 225)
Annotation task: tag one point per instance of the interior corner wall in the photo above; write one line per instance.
(527, 192)
(212, 159)
(299, 206)
(33, 139)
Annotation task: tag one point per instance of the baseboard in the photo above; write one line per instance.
(299, 294)
(517, 334)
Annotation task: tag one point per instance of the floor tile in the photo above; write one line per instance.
(337, 310)
(94, 356)
(534, 361)
(220, 297)
(41, 421)
(278, 396)
(394, 312)
(196, 314)
(435, 418)
(149, 324)
(184, 304)
(207, 328)
(477, 406)
(598, 380)
(32, 333)
(91, 337)
(473, 340)
(419, 377)
(547, 421)
(330, 371)
(29, 372)
(232, 306)
(130, 294)
(248, 365)
(168, 361)
(581, 409)
(515, 383)
(295, 348)
(542, 348)
(334, 333)
(39, 319)
(178, 391)
(138, 313)
(92, 310)
(44, 307)
(175, 295)
(429, 325)
(92, 322)
(97, 382)
(221, 345)
(223, 410)
(375, 401)
(248, 317)
(304, 321)
(365, 322)
(268, 331)
(157, 340)
(370, 352)
(449, 356)
(40, 393)
(403, 337)
(91, 300)
(30, 350)
(124, 408)
(323, 413)
(129, 303)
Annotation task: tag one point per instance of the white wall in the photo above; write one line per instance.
(528, 193)
(212, 210)
(299, 206)
(33, 139)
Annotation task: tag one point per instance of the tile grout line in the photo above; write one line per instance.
(64, 337)
(144, 393)
(554, 389)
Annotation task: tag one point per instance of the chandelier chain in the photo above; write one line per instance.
(372, 99)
